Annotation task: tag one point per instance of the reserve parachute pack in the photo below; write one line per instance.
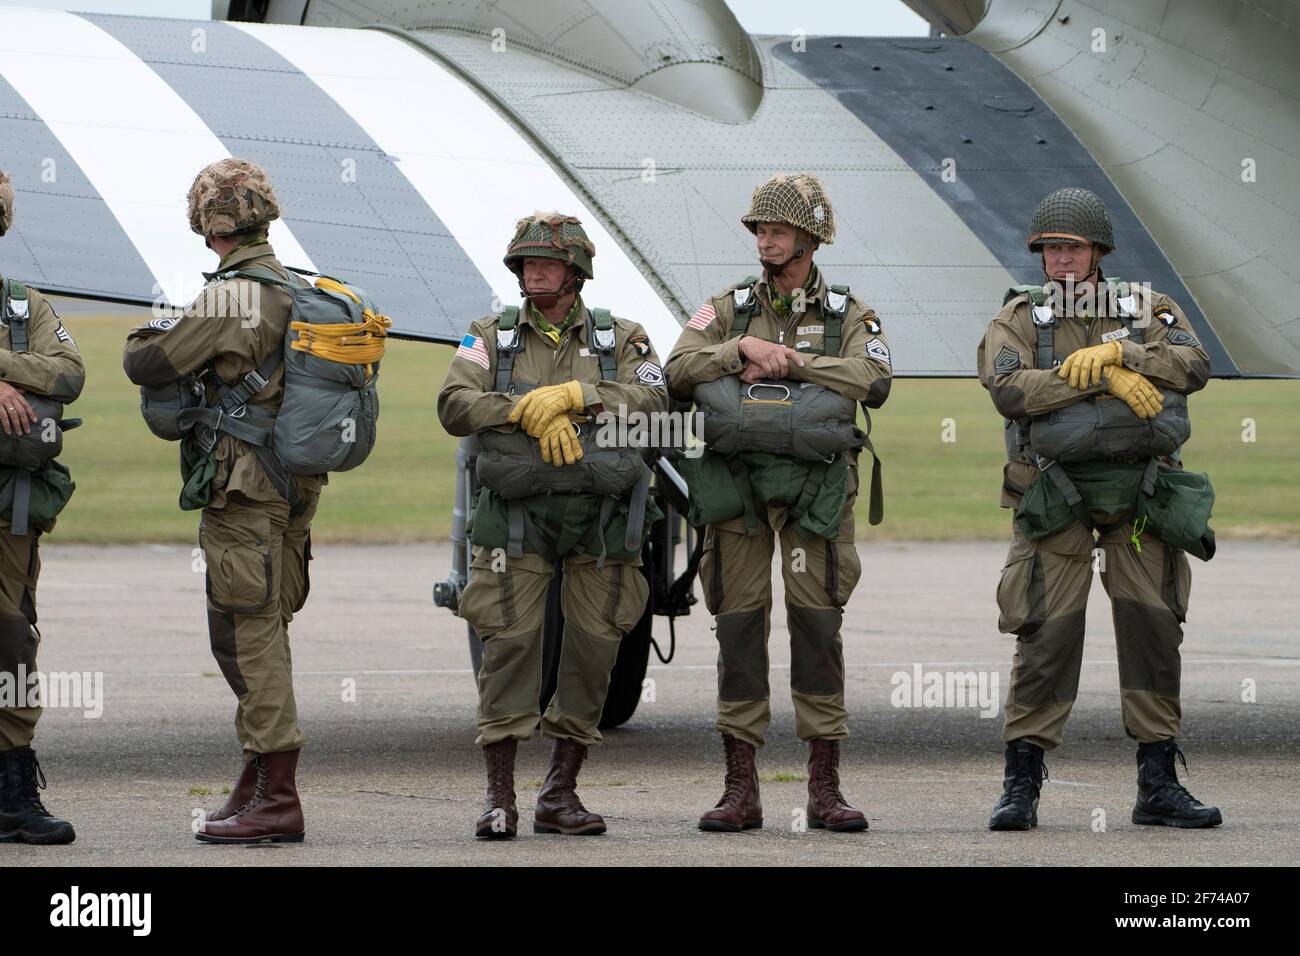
(38, 488)
(1090, 455)
(510, 462)
(1100, 427)
(752, 431)
(328, 415)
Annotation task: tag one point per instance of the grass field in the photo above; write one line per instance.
(941, 442)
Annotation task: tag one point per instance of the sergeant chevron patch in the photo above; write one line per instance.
(1007, 361)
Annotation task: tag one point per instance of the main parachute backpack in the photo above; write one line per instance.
(332, 348)
(330, 408)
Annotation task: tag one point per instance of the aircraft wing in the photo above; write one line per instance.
(404, 145)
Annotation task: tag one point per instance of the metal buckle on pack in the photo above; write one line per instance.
(604, 339)
(749, 392)
(1043, 316)
(237, 413)
(741, 296)
(836, 301)
(254, 379)
(506, 339)
(18, 308)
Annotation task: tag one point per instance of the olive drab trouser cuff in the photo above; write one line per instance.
(819, 576)
(1042, 596)
(257, 578)
(20, 566)
(505, 603)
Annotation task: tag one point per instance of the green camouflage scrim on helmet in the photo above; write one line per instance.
(229, 196)
(1073, 213)
(551, 235)
(6, 203)
(797, 200)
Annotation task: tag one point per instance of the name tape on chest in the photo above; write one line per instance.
(810, 330)
(1117, 334)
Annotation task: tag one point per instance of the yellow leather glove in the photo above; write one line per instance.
(559, 441)
(1083, 366)
(536, 409)
(1135, 389)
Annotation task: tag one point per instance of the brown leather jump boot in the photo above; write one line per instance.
(739, 809)
(272, 814)
(558, 808)
(500, 819)
(827, 808)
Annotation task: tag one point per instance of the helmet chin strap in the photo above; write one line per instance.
(1092, 268)
(775, 269)
(546, 300)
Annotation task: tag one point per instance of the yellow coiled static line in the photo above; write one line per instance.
(351, 343)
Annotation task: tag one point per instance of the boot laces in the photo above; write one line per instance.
(1163, 778)
(31, 782)
(1022, 781)
(734, 786)
(259, 788)
(828, 774)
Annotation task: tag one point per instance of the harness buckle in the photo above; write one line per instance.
(1043, 316)
(18, 308)
(836, 302)
(506, 339)
(604, 339)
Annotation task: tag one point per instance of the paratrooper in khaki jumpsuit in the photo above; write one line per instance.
(1044, 586)
(256, 547)
(790, 216)
(505, 598)
(50, 366)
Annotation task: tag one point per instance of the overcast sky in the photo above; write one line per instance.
(849, 17)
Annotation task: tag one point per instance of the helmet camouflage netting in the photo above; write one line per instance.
(229, 196)
(797, 200)
(551, 235)
(1073, 213)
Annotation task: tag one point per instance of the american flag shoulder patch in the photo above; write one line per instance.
(702, 317)
(472, 348)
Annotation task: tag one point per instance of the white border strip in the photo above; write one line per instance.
(476, 172)
(137, 141)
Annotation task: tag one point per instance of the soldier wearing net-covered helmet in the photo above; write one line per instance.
(778, 343)
(255, 532)
(534, 384)
(1091, 374)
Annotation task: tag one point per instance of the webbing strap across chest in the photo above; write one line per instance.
(601, 338)
(15, 306)
(834, 306)
(1046, 322)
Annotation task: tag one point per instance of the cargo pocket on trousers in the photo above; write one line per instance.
(488, 602)
(241, 577)
(1022, 592)
(629, 591)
